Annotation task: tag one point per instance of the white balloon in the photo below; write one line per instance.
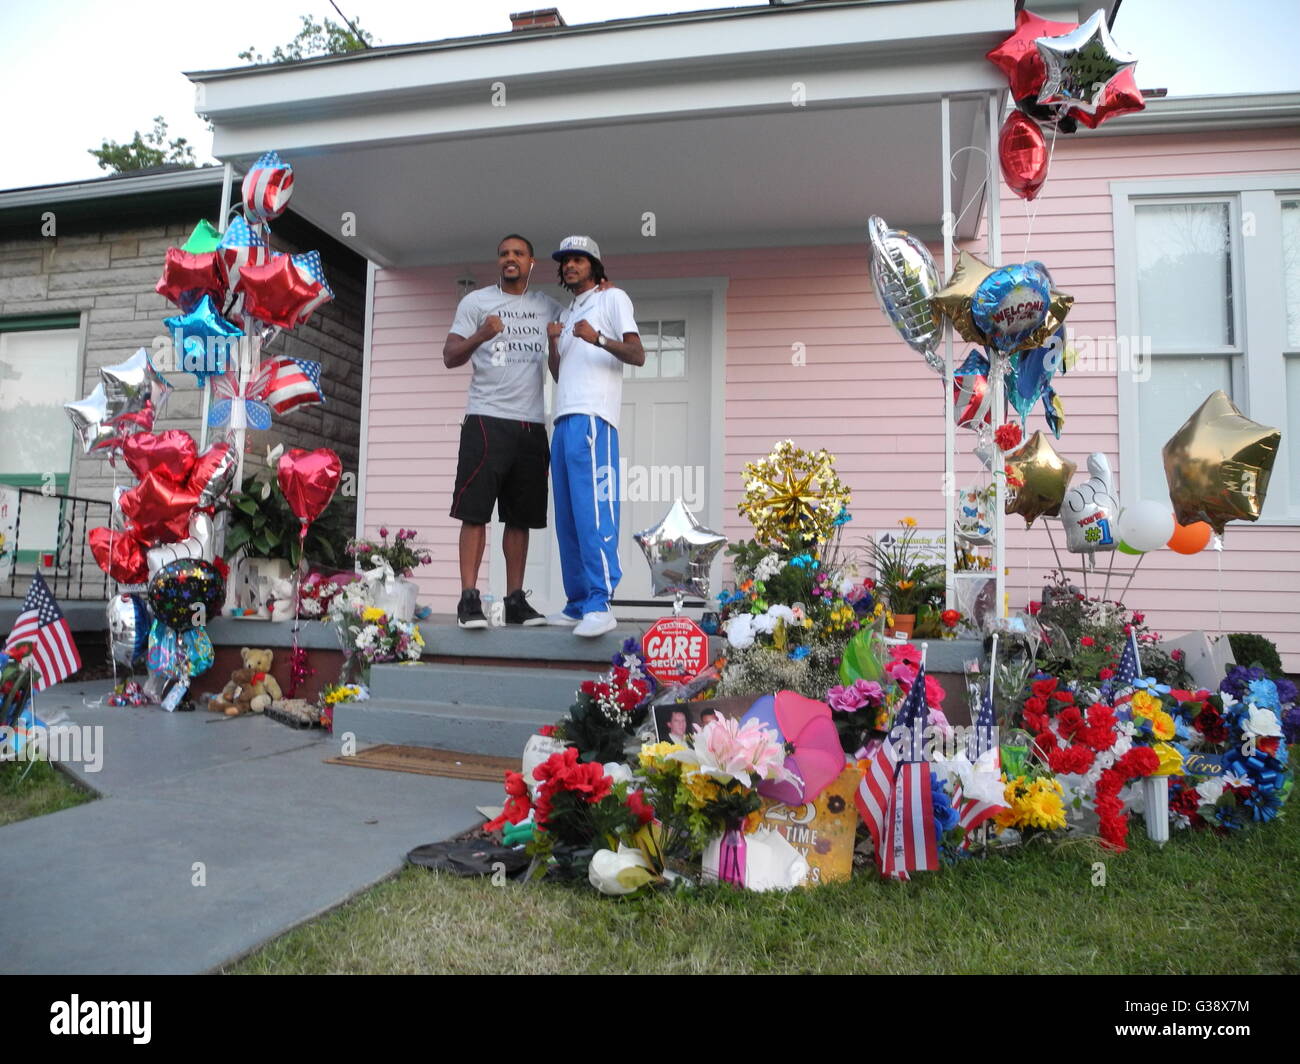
(1146, 525)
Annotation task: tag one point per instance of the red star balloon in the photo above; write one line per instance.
(1017, 57)
(159, 512)
(1121, 97)
(277, 292)
(187, 278)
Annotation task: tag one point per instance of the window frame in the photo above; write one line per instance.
(70, 321)
(1258, 358)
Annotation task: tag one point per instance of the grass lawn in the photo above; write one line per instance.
(44, 790)
(1202, 905)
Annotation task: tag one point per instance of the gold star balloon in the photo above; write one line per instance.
(954, 302)
(1219, 463)
(792, 497)
(1037, 479)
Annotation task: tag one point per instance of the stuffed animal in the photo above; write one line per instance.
(281, 600)
(252, 688)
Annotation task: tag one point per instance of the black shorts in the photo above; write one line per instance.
(503, 462)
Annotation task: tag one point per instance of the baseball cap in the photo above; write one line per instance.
(577, 245)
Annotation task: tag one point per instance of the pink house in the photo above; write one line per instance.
(727, 161)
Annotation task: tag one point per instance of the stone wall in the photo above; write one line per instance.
(108, 273)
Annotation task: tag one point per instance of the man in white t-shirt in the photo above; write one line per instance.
(503, 450)
(589, 346)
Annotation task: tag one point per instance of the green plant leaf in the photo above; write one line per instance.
(245, 504)
(859, 659)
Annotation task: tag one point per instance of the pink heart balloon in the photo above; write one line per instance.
(309, 480)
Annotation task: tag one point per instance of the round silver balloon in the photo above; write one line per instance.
(128, 629)
(129, 385)
(679, 551)
(905, 277)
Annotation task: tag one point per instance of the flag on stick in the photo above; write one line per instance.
(42, 626)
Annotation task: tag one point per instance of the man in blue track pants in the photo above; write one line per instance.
(588, 348)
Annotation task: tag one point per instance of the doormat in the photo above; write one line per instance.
(428, 762)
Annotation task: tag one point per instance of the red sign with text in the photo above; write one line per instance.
(676, 649)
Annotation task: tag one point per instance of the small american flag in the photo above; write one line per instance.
(1126, 673)
(267, 187)
(971, 812)
(291, 383)
(894, 796)
(43, 625)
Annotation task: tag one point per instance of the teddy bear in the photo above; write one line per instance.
(280, 598)
(251, 688)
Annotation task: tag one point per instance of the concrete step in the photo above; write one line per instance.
(443, 638)
(500, 731)
(550, 690)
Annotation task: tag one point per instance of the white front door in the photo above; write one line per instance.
(664, 444)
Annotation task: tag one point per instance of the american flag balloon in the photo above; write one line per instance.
(267, 188)
(242, 245)
(313, 270)
(291, 383)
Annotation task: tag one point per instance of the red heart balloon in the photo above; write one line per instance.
(171, 455)
(214, 473)
(119, 554)
(159, 512)
(309, 480)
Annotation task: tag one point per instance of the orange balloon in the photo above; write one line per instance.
(1190, 539)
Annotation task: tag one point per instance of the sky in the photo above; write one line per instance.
(74, 72)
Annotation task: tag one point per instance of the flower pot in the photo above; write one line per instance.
(256, 577)
(904, 624)
(399, 603)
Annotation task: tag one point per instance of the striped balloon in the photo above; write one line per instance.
(267, 188)
(242, 245)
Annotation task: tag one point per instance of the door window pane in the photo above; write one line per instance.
(1185, 275)
(672, 349)
(1176, 387)
(38, 374)
(1291, 272)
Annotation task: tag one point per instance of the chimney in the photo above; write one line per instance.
(548, 18)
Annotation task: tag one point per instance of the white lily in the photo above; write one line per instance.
(619, 872)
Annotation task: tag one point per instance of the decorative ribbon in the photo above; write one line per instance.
(731, 855)
(382, 570)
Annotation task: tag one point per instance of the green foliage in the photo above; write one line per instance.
(1251, 649)
(143, 152)
(908, 583)
(597, 737)
(313, 39)
(263, 525)
(762, 670)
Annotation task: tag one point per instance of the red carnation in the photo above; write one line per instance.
(1073, 759)
(1035, 705)
(1138, 762)
(547, 730)
(1035, 722)
(1046, 742)
(1043, 688)
(1070, 721)
(1007, 436)
(1087, 641)
(1064, 696)
(1034, 607)
(1105, 674)
(637, 806)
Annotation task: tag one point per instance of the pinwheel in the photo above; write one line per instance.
(806, 725)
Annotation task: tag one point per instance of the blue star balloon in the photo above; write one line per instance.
(205, 342)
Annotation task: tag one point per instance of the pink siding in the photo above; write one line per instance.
(862, 394)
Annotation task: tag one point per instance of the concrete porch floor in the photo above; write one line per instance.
(281, 837)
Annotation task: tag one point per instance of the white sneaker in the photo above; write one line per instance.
(561, 620)
(594, 624)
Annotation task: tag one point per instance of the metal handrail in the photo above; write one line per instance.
(74, 574)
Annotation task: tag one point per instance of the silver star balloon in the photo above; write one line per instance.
(131, 384)
(90, 420)
(1080, 64)
(679, 551)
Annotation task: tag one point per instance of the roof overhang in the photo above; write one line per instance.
(772, 125)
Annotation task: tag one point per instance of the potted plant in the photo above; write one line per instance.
(386, 566)
(907, 581)
(263, 543)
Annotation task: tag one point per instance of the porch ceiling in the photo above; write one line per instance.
(697, 120)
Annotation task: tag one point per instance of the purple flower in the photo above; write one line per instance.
(383, 533)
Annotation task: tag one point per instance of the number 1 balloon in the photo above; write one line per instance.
(1088, 510)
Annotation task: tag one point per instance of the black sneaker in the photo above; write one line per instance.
(469, 611)
(519, 612)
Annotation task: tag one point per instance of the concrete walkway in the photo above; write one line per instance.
(277, 836)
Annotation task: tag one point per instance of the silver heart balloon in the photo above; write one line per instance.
(129, 385)
(905, 277)
(1089, 510)
(679, 551)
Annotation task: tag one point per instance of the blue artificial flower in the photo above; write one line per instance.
(799, 653)
(1151, 685)
(945, 816)
(1264, 803)
(844, 516)
(803, 561)
(1263, 693)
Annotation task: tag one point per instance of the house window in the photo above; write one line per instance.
(665, 351)
(1290, 209)
(39, 359)
(1208, 284)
